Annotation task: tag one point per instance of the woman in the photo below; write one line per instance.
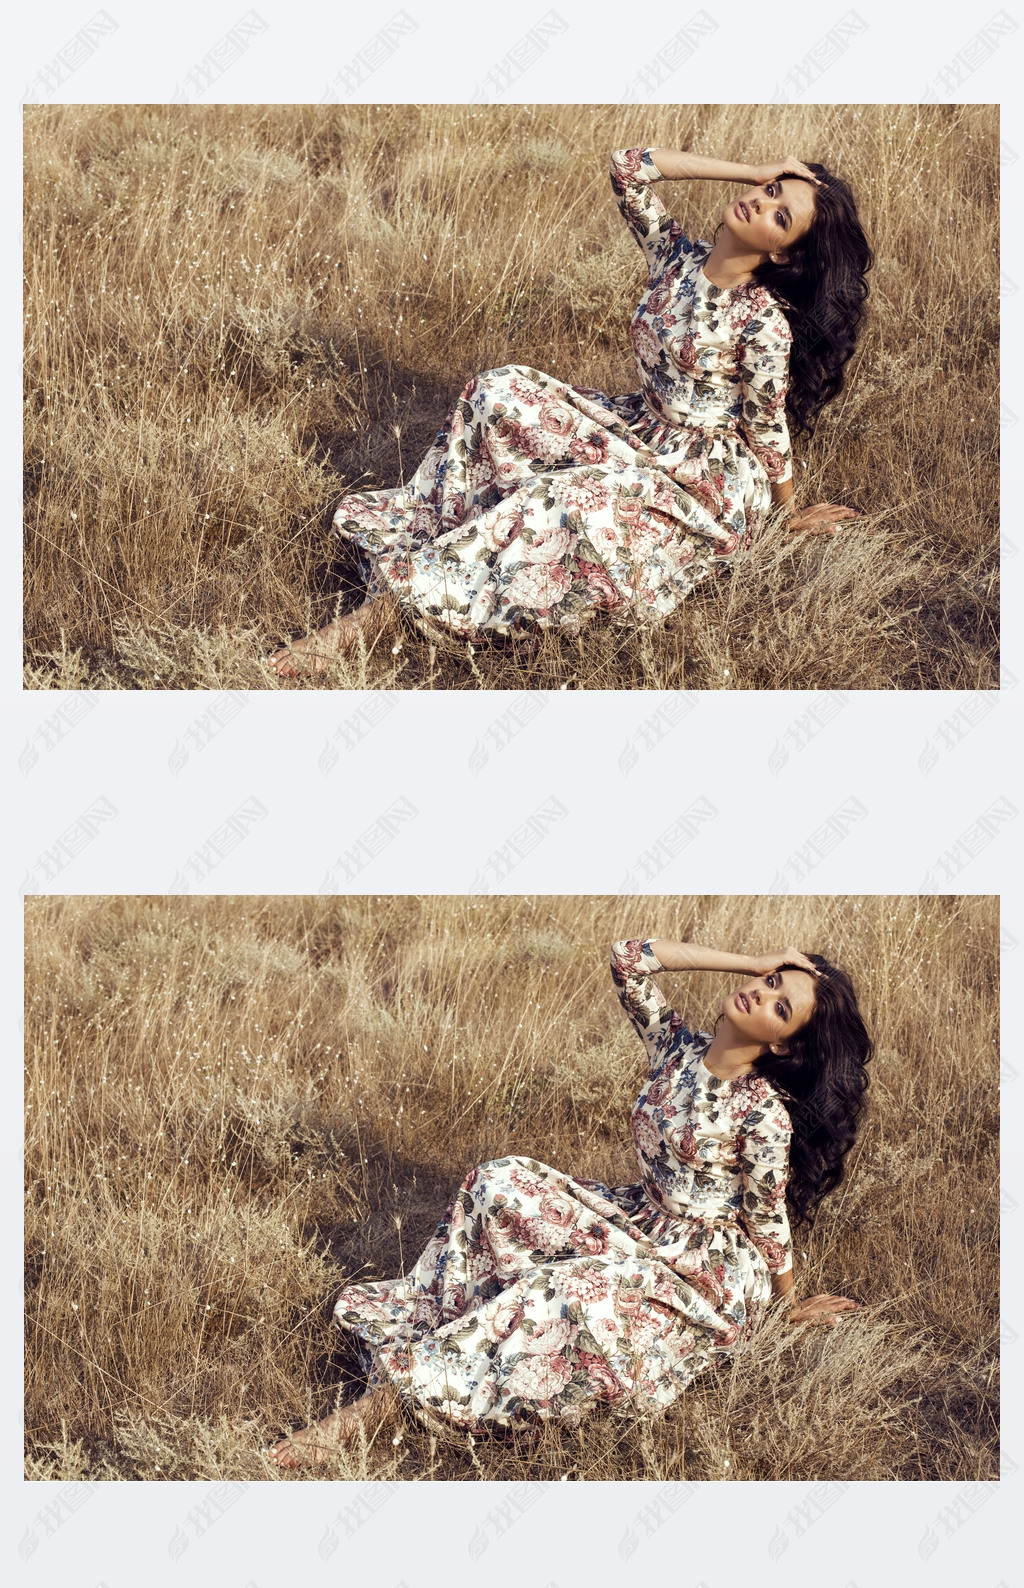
(541, 1295)
(540, 503)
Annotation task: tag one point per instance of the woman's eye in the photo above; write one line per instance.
(780, 1011)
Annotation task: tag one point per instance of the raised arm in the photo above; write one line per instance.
(690, 956)
(680, 165)
(659, 1028)
(632, 172)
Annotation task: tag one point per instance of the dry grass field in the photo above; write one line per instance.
(237, 313)
(235, 1103)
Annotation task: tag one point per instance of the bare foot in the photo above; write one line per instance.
(315, 653)
(319, 1443)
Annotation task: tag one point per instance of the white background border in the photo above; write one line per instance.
(868, 793)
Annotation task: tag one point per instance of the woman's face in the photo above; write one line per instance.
(768, 219)
(771, 1009)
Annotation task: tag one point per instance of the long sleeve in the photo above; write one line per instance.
(763, 360)
(632, 172)
(659, 1028)
(764, 1163)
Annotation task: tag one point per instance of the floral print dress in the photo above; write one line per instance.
(541, 1295)
(541, 503)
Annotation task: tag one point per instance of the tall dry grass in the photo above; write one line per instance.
(236, 1103)
(237, 313)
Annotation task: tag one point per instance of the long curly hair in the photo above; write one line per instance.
(822, 291)
(822, 1081)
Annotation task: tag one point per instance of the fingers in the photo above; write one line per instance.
(838, 508)
(794, 957)
(821, 519)
(823, 1308)
(798, 168)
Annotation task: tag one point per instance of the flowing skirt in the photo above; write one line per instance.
(540, 1296)
(540, 504)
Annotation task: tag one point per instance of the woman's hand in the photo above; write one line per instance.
(821, 519)
(771, 170)
(823, 1308)
(764, 964)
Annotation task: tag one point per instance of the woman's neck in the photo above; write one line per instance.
(727, 1057)
(726, 267)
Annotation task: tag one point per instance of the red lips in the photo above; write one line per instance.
(743, 211)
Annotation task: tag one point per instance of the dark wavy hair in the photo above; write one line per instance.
(822, 291)
(822, 1081)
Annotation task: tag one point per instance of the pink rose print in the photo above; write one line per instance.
(556, 418)
(726, 545)
(604, 1383)
(658, 1091)
(686, 1145)
(506, 1318)
(605, 1331)
(630, 162)
(454, 507)
(540, 587)
(507, 470)
(630, 956)
(590, 449)
(556, 1210)
(686, 352)
(539, 1378)
(774, 1255)
(678, 1346)
(645, 344)
(548, 542)
(680, 554)
(604, 538)
(773, 463)
(647, 1136)
(455, 1300)
(593, 1240)
(601, 585)
(549, 1337)
(504, 525)
(664, 499)
(659, 298)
